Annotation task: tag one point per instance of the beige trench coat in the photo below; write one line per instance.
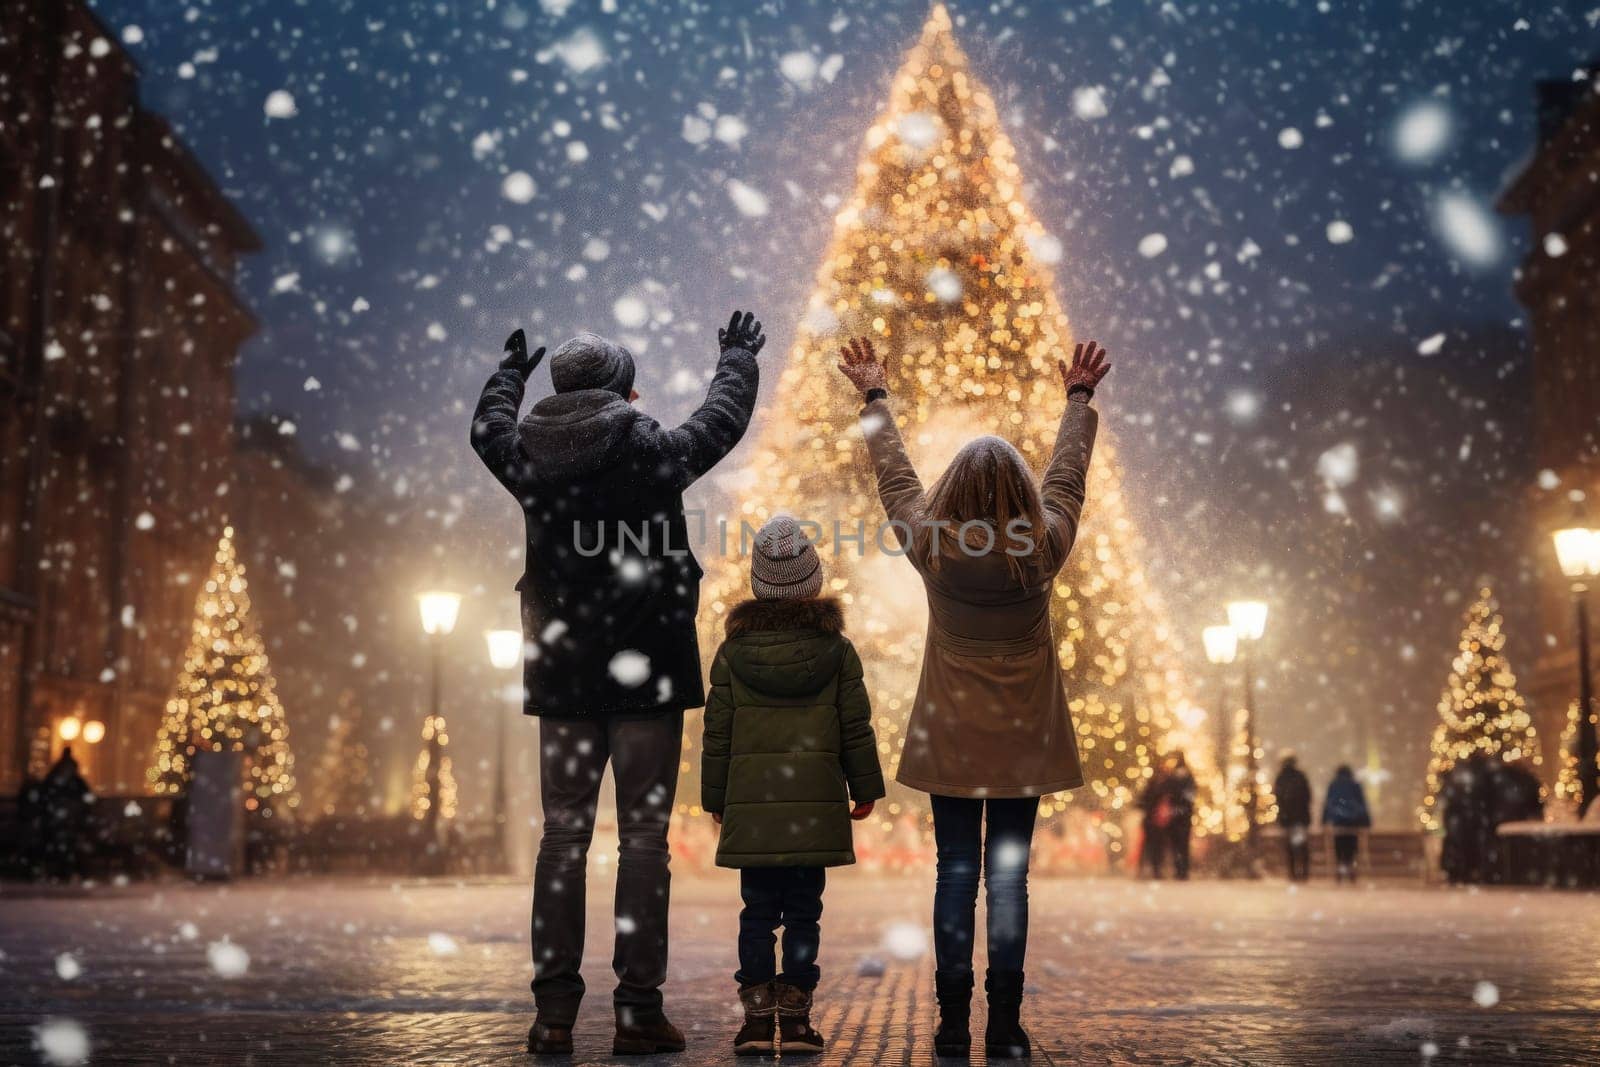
(990, 717)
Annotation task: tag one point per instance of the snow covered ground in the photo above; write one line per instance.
(1119, 972)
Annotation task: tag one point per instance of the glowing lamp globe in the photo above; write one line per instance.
(1578, 551)
(1248, 618)
(68, 729)
(438, 610)
(505, 648)
(1222, 643)
(94, 731)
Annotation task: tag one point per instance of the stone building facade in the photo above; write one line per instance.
(1559, 283)
(119, 327)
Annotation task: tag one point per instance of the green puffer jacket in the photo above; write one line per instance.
(788, 740)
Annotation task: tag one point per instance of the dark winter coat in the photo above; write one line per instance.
(1345, 805)
(611, 588)
(1292, 790)
(788, 737)
(1477, 795)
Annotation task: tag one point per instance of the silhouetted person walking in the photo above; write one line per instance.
(1344, 810)
(1180, 790)
(1292, 790)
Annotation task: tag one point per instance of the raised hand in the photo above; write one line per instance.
(1088, 367)
(742, 332)
(861, 811)
(859, 362)
(517, 358)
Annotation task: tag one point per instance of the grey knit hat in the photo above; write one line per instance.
(784, 564)
(590, 361)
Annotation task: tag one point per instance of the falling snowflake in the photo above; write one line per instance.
(518, 187)
(227, 959)
(630, 668)
(905, 941)
(62, 1042)
(279, 105)
(749, 200)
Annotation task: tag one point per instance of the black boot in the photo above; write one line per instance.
(645, 1034)
(549, 1039)
(954, 990)
(795, 1036)
(760, 1021)
(1005, 1039)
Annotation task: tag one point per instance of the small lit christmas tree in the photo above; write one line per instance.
(428, 780)
(1569, 788)
(225, 699)
(1240, 793)
(937, 258)
(343, 781)
(1480, 710)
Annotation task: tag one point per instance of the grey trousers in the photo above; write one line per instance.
(644, 754)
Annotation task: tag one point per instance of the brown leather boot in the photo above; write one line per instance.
(549, 1039)
(645, 1034)
(760, 1027)
(795, 1036)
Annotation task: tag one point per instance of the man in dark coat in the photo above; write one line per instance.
(1292, 790)
(611, 658)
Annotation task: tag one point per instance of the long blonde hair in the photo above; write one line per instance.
(989, 483)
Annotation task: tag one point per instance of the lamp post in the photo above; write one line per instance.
(505, 653)
(1248, 620)
(1222, 645)
(1578, 552)
(438, 610)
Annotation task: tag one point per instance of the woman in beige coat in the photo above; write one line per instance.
(990, 732)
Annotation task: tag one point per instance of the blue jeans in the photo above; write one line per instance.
(790, 897)
(958, 836)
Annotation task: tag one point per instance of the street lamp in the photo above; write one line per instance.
(505, 653)
(1578, 552)
(1248, 620)
(438, 609)
(1222, 645)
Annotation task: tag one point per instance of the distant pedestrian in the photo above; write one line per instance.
(1180, 790)
(1292, 790)
(788, 750)
(63, 800)
(1344, 810)
(1157, 814)
(1477, 795)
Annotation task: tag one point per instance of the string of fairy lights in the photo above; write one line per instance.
(937, 258)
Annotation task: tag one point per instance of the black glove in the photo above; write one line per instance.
(517, 357)
(742, 332)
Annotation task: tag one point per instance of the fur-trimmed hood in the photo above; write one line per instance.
(819, 613)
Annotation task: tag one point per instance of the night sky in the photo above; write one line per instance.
(1278, 217)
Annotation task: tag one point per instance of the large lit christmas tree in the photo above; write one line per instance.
(1480, 710)
(937, 258)
(225, 698)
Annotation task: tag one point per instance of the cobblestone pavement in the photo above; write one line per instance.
(1119, 972)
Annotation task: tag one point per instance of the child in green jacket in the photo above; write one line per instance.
(788, 731)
